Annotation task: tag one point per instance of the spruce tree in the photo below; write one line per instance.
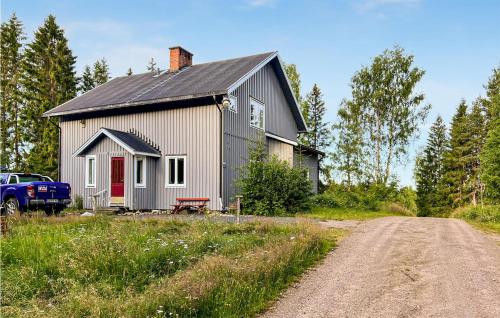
(429, 170)
(152, 66)
(101, 72)
(11, 143)
(318, 136)
(49, 80)
(451, 187)
(490, 154)
(87, 80)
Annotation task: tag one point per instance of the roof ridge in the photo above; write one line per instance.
(217, 61)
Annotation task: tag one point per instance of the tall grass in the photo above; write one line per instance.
(486, 217)
(102, 266)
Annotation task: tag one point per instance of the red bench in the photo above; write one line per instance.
(198, 204)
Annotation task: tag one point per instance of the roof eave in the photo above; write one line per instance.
(132, 104)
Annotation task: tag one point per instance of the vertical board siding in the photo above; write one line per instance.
(193, 132)
(309, 161)
(145, 198)
(280, 149)
(238, 134)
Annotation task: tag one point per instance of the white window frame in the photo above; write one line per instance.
(94, 174)
(167, 171)
(254, 102)
(143, 183)
(234, 103)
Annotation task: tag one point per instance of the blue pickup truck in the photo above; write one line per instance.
(22, 192)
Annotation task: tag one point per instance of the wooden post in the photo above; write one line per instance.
(238, 197)
(4, 225)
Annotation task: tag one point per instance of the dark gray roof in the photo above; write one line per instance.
(199, 80)
(129, 141)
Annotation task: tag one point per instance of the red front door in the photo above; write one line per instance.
(117, 177)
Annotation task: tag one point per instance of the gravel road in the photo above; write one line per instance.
(402, 267)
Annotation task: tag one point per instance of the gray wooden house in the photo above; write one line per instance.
(141, 141)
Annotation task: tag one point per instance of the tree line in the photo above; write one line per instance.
(462, 167)
(376, 125)
(34, 78)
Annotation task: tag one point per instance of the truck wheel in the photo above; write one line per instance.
(12, 207)
(53, 210)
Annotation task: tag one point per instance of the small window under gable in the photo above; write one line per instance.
(140, 172)
(234, 103)
(175, 171)
(90, 171)
(257, 114)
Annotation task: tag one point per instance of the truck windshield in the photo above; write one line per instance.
(29, 178)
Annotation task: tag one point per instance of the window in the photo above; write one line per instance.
(175, 167)
(140, 172)
(90, 171)
(13, 179)
(234, 103)
(257, 114)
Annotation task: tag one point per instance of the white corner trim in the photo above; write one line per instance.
(285, 140)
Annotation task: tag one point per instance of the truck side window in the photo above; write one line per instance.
(13, 179)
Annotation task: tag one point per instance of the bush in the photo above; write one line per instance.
(270, 186)
(489, 213)
(373, 197)
(78, 202)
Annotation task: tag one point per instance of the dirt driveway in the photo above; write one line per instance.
(402, 267)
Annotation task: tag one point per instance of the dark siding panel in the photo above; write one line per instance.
(265, 87)
(309, 161)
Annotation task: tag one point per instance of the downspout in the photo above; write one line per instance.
(221, 150)
(58, 149)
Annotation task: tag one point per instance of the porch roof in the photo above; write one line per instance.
(128, 141)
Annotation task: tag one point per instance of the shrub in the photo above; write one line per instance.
(373, 197)
(78, 202)
(489, 213)
(270, 186)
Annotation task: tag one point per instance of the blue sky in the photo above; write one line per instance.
(456, 42)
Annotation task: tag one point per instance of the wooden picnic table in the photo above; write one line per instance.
(190, 203)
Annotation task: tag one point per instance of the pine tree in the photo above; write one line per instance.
(11, 101)
(101, 72)
(451, 187)
(318, 136)
(490, 155)
(152, 66)
(129, 71)
(429, 170)
(87, 80)
(49, 80)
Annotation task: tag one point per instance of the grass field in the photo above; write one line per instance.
(346, 214)
(108, 267)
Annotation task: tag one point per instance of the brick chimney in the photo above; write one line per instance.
(179, 58)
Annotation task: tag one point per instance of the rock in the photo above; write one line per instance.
(87, 214)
